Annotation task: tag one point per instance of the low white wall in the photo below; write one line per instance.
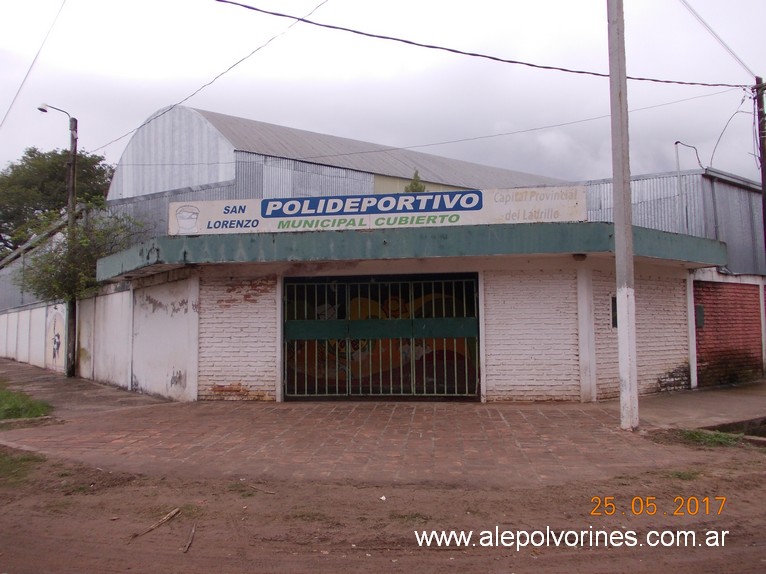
(35, 335)
(104, 326)
(165, 339)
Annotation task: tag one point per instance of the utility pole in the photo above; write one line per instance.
(759, 89)
(623, 218)
(71, 304)
(71, 190)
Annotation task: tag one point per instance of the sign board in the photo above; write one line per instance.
(426, 209)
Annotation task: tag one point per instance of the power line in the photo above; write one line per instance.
(717, 37)
(517, 132)
(446, 142)
(198, 90)
(473, 54)
(32, 65)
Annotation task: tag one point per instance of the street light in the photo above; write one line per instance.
(71, 304)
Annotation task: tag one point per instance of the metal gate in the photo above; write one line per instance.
(382, 336)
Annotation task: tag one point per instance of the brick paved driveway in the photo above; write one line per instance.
(491, 445)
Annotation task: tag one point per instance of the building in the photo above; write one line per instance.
(282, 264)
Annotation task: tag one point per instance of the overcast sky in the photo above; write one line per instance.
(112, 64)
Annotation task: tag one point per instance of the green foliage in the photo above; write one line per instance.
(15, 405)
(415, 186)
(34, 189)
(710, 438)
(64, 268)
(14, 468)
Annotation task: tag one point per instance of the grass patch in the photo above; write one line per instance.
(685, 474)
(242, 489)
(191, 510)
(410, 517)
(710, 438)
(14, 468)
(15, 405)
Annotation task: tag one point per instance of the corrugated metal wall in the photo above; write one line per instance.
(258, 176)
(667, 202)
(10, 295)
(701, 204)
(693, 203)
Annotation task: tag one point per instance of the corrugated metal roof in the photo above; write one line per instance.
(280, 141)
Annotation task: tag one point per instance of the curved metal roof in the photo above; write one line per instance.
(280, 141)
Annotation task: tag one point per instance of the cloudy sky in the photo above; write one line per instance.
(112, 64)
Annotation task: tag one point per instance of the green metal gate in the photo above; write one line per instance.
(382, 336)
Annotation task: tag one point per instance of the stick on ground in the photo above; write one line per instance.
(170, 515)
(191, 538)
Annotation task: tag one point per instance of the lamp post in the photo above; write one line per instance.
(71, 303)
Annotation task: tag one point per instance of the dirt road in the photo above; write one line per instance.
(62, 517)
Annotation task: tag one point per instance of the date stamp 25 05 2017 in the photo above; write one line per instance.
(649, 506)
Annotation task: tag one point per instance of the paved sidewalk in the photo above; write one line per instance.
(495, 444)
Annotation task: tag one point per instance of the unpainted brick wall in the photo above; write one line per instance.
(729, 342)
(238, 338)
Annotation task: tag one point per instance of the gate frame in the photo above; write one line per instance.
(469, 326)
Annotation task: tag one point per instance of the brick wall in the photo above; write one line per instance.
(729, 343)
(238, 338)
(530, 335)
(662, 337)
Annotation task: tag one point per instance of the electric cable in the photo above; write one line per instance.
(474, 54)
(32, 65)
(717, 37)
(198, 90)
(723, 131)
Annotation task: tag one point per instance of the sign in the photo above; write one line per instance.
(426, 209)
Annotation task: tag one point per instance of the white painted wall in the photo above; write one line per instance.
(37, 336)
(13, 335)
(55, 338)
(111, 339)
(165, 339)
(22, 337)
(662, 335)
(86, 323)
(531, 335)
(4, 335)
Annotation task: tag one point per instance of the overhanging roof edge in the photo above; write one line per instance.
(404, 243)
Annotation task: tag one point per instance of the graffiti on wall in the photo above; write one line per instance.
(55, 355)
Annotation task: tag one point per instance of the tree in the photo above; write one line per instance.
(33, 191)
(64, 267)
(415, 186)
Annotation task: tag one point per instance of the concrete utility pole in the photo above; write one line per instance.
(623, 218)
(71, 186)
(759, 89)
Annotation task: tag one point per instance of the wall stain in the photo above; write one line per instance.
(237, 391)
(155, 303)
(178, 307)
(178, 379)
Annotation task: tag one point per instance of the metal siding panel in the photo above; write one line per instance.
(10, 294)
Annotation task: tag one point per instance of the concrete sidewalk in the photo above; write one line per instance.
(494, 444)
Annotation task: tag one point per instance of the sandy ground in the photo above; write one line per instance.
(62, 517)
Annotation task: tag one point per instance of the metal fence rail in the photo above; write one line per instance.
(390, 336)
